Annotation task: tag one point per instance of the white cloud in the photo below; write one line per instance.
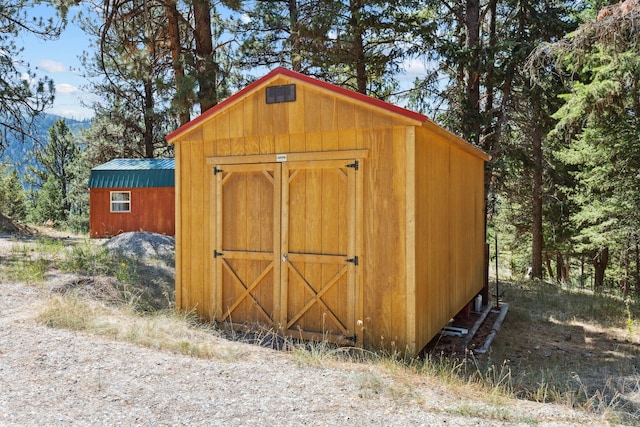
(26, 77)
(77, 113)
(414, 67)
(245, 19)
(52, 66)
(66, 89)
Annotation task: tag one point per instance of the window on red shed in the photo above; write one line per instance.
(120, 201)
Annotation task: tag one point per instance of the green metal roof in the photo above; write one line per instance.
(133, 173)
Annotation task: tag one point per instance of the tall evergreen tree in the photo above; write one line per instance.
(132, 73)
(105, 140)
(355, 44)
(77, 219)
(372, 39)
(488, 98)
(54, 164)
(600, 124)
(182, 100)
(289, 33)
(156, 61)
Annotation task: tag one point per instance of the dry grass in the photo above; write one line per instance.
(557, 346)
(391, 375)
(571, 347)
(166, 330)
(562, 346)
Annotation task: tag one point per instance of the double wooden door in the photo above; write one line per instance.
(286, 243)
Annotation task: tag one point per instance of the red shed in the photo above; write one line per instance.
(132, 195)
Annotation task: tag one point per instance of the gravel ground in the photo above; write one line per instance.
(59, 377)
(142, 245)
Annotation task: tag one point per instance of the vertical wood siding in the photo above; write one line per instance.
(152, 210)
(448, 212)
(449, 232)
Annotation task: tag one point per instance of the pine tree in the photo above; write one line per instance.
(288, 33)
(14, 199)
(77, 218)
(131, 73)
(49, 204)
(480, 49)
(54, 164)
(600, 124)
(355, 44)
(372, 38)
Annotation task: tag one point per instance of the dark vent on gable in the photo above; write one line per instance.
(284, 93)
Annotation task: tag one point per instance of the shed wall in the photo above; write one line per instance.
(449, 231)
(421, 220)
(252, 127)
(152, 209)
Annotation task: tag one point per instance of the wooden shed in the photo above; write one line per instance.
(327, 214)
(132, 195)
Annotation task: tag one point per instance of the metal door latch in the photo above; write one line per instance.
(353, 260)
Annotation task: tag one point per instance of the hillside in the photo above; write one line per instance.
(19, 153)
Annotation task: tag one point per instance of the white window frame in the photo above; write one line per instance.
(125, 204)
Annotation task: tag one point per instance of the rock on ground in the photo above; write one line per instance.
(142, 245)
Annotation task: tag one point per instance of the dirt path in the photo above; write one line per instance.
(59, 377)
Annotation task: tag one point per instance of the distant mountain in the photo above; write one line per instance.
(19, 153)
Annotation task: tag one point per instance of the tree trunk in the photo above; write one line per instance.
(296, 57)
(181, 99)
(536, 205)
(625, 280)
(600, 261)
(358, 45)
(472, 124)
(206, 70)
(547, 262)
(148, 131)
(637, 272)
(490, 79)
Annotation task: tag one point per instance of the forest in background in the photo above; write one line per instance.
(549, 88)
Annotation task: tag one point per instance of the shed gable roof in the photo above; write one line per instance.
(133, 173)
(412, 118)
(417, 118)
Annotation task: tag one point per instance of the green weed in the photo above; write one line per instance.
(27, 266)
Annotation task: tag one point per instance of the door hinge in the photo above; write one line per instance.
(355, 165)
(353, 339)
(216, 171)
(353, 260)
(216, 254)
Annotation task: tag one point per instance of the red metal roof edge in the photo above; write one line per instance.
(307, 79)
(351, 94)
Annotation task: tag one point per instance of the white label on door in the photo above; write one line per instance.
(281, 157)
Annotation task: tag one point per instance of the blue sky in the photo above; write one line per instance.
(59, 60)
